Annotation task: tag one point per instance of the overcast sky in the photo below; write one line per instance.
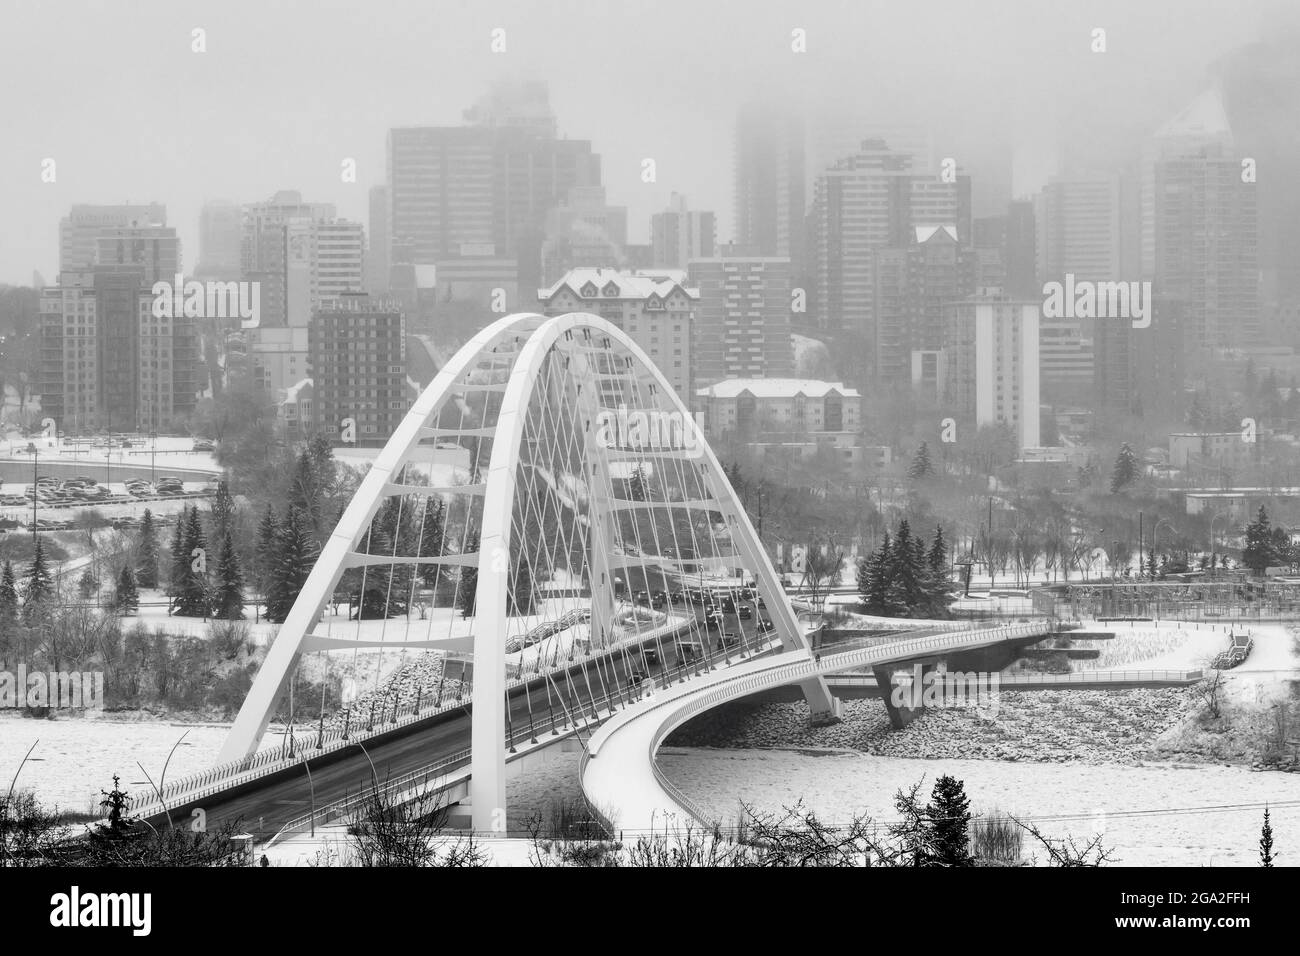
(287, 90)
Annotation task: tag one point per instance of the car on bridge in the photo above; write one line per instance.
(746, 612)
(688, 651)
(728, 639)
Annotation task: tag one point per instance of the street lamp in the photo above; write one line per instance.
(1155, 531)
(1213, 518)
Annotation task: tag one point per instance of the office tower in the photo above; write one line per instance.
(992, 375)
(79, 230)
(532, 176)
(1020, 255)
(770, 187)
(1202, 125)
(1207, 252)
(742, 322)
(583, 230)
(357, 358)
(485, 190)
(912, 283)
(1079, 230)
(869, 201)
(1114, 373)
(679, 235)
(378, 253)
(1261, 84)
(656, 308)
(515, 104)
(441, 190)
(1066, 363)
(220, 235)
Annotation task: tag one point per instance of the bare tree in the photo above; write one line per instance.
(1069, 852)
(1210, 692)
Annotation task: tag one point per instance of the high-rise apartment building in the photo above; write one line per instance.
(357, 358)
(379, 252)
(220, 235)
(81, 228)
(742, 327)
(679, 235)
(991, 344)
(869, 201)
(1079, 229)
(770, 188)
(912, 283)
(107, 362)
(656, 308)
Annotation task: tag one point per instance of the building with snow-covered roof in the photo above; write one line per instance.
(801, 415)
(653, 306)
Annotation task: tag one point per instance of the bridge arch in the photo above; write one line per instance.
(546, 393)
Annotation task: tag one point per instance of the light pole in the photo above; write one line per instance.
(1213, 518)
(1155, 531)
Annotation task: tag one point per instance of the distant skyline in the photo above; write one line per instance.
(114, 94)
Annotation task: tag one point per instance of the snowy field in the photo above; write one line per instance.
(1078, 799)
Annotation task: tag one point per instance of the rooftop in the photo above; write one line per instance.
(626, 284)
(775, 388)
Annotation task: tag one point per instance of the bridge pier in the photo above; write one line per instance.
(903, 702)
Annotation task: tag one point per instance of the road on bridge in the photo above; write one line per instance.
(266, 805)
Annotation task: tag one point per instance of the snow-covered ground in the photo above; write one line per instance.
(1077, 799)
(76, 757)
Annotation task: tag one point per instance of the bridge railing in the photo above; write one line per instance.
(1076, 677)
(316, 742)
(785, 672)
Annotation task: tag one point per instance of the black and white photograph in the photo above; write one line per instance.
(650, 434)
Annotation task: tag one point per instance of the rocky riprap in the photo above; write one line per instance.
(1067, 725)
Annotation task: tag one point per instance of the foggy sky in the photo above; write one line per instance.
(287, 90)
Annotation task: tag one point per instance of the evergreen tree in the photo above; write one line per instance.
(228, 602)
(126, 598)
(938, 557)
(146, 569)
(268, 545)
(8, 593)
(880, 573)
(921, 467)
(294, 556)
(432, 532)
(87, 586)
(1125, 471)
(1266, 842)
(192, 598)
(221, 517)
(948, 815)
(180, 563)
(465, 596)
(907, 567)
(305, 493)
(40, 585)
(1258, 554)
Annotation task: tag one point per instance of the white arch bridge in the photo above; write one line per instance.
(549, 507)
